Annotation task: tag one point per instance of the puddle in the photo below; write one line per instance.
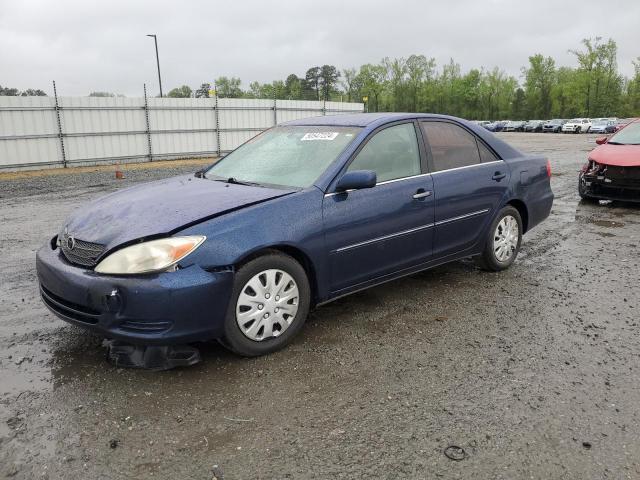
(606, 223)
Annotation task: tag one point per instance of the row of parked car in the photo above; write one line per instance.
(558, 125)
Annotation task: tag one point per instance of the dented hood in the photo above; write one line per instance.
(618, 155)
(160, 207)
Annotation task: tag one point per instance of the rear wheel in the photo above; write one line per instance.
(268, 307)
(503, 241)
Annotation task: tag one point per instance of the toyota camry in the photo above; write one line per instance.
(300, 215)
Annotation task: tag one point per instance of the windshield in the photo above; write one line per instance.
(285, 156)
(629, 135)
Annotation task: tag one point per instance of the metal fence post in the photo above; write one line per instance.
(275, 109)
(146, 118)
(60, 136)
(217, 112)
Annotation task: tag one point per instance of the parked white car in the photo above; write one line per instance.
(577, 125)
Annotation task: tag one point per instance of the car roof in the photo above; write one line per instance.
(364, 119)
(371, 121)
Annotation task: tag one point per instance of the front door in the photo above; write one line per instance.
(381, 230)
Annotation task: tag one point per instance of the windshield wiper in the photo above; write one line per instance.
(235, 181)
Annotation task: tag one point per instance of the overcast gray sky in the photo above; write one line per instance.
(87, 45)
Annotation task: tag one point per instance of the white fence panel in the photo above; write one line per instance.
(92, 130)
(28, 131)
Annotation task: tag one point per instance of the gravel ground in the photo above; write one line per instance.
(534, 372)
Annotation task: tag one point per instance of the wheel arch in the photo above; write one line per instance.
(522, 210)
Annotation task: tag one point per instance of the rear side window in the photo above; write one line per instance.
(486, 155)
(451, 145)
(392, 153)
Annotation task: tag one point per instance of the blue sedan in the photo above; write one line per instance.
(302, 214)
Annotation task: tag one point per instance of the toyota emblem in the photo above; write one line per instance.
(71, 242)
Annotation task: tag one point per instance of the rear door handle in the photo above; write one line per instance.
(498, 176)
(421, 193)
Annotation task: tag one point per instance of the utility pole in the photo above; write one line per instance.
(155, 39)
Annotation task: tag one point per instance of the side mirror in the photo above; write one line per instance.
(601, 140)
(356, 180)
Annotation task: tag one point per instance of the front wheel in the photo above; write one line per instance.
(503, 241)
(269, 305)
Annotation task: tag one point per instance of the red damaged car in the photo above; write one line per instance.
(613, 169)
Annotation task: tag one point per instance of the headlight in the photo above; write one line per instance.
(152, 256)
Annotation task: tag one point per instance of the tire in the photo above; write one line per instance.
(489, 259)
(578, 130)
(278, 327)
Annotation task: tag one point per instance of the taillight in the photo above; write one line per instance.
(548, 168)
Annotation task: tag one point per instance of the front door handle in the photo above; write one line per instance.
(498, 176)
(421, 193)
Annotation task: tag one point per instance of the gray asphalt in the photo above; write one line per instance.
(533, 371)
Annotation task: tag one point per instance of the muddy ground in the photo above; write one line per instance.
(534, 372)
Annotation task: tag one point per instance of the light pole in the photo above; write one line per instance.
(155, 39)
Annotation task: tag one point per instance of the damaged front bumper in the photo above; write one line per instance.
(609, 182)
(178, 307)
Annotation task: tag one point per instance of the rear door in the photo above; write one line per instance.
(469, 183)
(381, 230)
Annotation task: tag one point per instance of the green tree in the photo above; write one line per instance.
(631, 99)
(540, 79)
(373, 83)
(293, 87)
(8, 92)
(33, 92)
(180, 92)
(519, 105)
(312, 81)
(351, 83)
(600, 83)
(328, 80)
(228, 87)
(419, 70)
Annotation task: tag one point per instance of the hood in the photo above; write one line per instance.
(617, 155)
(161, 207)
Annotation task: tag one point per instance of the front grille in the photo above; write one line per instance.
(623, 173)
(68, 309)
(80, 252)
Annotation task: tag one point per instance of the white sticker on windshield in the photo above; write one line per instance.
(319, 136)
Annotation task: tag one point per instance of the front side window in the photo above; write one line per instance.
(451, 146)
(292, 156)
(392, 153)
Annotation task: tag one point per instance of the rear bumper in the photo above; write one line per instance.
(168, 308)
